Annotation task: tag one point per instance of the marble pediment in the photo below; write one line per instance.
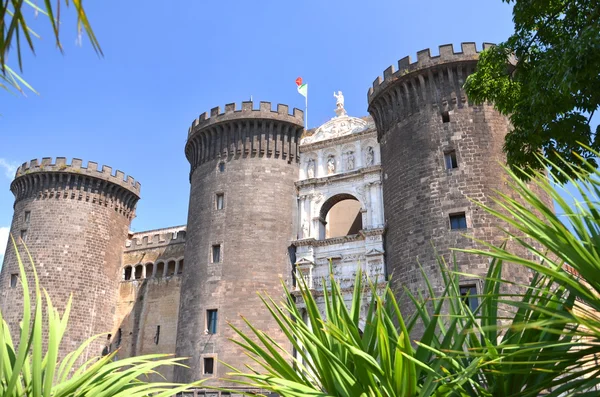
(337, 127)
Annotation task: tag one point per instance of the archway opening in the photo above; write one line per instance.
(340, 216)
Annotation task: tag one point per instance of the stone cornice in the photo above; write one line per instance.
(339, 177)
(308, 147)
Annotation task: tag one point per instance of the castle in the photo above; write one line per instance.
(267, 199)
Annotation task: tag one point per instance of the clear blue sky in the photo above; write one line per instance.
(166, 62)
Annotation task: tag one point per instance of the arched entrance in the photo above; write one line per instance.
(340, 216)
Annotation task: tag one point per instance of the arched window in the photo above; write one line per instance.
(127, 274)
(180, 267)
(340, 216)
(149, 269)
(170, 268)
(139, 271)
(160, 270)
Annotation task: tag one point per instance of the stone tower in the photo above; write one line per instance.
(241, 221)
(75, 221)
(438, 150)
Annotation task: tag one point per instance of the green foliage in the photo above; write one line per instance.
(16, 30)
(546, 78)
(26, 370)
(541, 340)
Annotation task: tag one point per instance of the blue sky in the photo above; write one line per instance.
(166, 62)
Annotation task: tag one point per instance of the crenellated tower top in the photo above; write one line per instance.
(247, 132)
(433, 82)
(46, 178)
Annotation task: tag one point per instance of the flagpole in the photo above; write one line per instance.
(306, 112)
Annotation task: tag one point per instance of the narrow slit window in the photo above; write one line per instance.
(14, 279)
(469, 294)
(119, 337)
(24, 235)
(209, 365)
(458, 221)
(211, 321)
(220, 201)
(216, 253)
(221, 167)
(157, 335)
(27, 217)
(450, 159)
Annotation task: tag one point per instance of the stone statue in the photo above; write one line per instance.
(331, 164)
(350, 161)
(340, 99)
(370, 156)
(310, 169)
(305, 230)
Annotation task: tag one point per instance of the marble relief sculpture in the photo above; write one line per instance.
(330, 164)
(350, 161)
(310, 169)
(370, 156)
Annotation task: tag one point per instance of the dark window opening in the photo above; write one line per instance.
(128, 273)
(170, 268)
(14, 278)
(149, 269)
(458, 221)
(216, 253)
(27, 217)
(24, 235)
(119, 337)
(209, 365)
(445, 117)
(160, 269)
(180, 268)
(450, 159)
(221, 167)
(211, 321)
(139, 272)
(469, 294)
(219, 201)
(157, 335)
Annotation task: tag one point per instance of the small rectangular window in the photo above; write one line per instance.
(219, 201)
(221, 167)
(24, 235)
(157, 335)
(14, 279)
(458, 221)
(119, 337)
(209, 365)
(211, 321)
(445, 117)
(27, 217)
(450, 159)
(469, 294)
(216, 253)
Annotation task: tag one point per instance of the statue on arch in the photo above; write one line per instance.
(350, 161)
(331, 164)
(310, 169)
(339, 99)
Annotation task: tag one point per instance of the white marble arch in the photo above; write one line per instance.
(327, 203)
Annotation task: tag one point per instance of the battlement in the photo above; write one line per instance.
(424, 60)
(248, 132)
(265, 111)
(46, 164)
(156, 238)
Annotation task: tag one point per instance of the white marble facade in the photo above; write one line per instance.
(340, 160)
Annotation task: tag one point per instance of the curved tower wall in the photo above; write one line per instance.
(422, 113)
(76, 228)
(259, 155)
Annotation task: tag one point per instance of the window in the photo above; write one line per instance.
(216, 253)
(157, 335)
(221, 167)
(445, 117)
(128, 273)
(27, 217)
(24, 235)
(119, 337)
(450, 159)
(458, 221)
(219, 200)
(14, 278)
(209, 365)
(211, 321)
(180, 268)
(469, 294)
